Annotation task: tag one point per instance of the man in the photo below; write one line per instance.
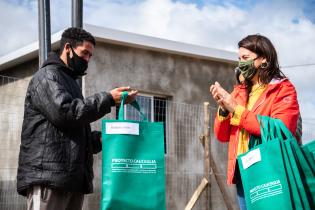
(57, 144)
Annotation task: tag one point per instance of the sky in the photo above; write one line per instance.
(220, 24)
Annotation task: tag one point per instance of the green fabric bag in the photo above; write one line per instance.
(263, 172)
(299, 173)
(302, 170)
(133, 168)
(295, 182)
(309, 153)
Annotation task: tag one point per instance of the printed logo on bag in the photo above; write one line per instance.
(266, 190)
(250, 158)
(133, 166)
(122, 128)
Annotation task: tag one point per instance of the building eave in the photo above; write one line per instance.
(118, 37)
(157, 44)
(26, 53)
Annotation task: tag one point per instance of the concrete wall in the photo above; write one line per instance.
(183, 79)
(12, 95)
(186, 79)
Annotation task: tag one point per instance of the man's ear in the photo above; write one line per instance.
(67, 48)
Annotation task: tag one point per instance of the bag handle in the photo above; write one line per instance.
(282, 130)
(272, 131)
(272, 128)
(255, 140)
(267, 131)
(135, 104)
(267, 128)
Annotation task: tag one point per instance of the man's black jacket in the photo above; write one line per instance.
(57, 144)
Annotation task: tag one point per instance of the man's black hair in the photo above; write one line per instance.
(75, 36)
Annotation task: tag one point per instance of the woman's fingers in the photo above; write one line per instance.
(222, 97)
(212, 89)
(216, 96)
(217, 84)
(220, 89)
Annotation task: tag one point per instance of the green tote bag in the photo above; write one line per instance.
(300, 173)
(263, 172)
(309, 153)
(133, 168)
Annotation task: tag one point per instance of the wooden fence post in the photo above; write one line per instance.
(206, 130)
(205, 182)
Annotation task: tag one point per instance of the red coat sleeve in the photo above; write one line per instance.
(284, 106)
(222, 129)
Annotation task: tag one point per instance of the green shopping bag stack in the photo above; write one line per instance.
(309, 152)
(275, 172)
(133, 176)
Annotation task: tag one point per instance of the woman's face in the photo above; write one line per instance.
(245, 54)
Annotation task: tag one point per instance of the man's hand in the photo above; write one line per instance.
(223, 98)
(116, 93)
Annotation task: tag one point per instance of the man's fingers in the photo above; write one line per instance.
(133, 92)
(123, 88)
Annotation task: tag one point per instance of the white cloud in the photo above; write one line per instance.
(17, 25)
(170, 20)
(216, 26)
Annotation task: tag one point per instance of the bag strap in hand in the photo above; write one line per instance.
(135, 104)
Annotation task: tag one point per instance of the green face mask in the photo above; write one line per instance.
(247, 68)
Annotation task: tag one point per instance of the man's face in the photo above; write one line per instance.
(85, 50)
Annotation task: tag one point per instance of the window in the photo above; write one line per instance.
(153, 107)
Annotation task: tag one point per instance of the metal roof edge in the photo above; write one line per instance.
(107, 35)
(157, 44)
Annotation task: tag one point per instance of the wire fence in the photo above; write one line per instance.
(183, 150)
(12, 94)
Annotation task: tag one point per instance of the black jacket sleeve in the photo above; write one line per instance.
(55, 102)
(96, 142)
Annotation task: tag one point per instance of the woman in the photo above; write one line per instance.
(264, 91)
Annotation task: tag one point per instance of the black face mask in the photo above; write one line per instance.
(77, 64)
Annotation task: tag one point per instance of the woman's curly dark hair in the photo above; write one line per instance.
(75, 36)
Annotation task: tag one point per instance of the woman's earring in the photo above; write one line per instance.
(264, 65)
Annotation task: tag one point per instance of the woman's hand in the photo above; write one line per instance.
(223, 98)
